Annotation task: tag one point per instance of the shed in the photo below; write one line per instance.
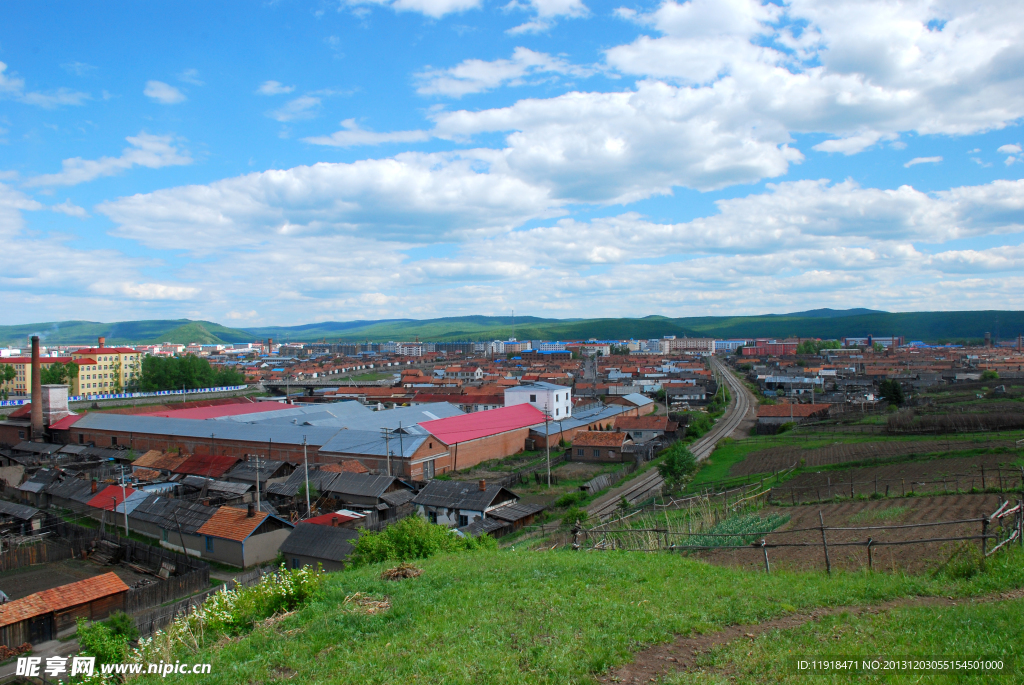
(456, 504)
(599, 446)
(310, 544)
(49, 614)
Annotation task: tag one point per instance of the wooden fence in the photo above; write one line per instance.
(41, 552)
(640, 539)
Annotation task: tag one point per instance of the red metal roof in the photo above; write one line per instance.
(328, 519)
(65, 423)
(481, 424)
(104, 499)
(106, 350)
(218, 411)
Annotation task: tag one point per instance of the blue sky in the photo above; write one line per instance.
(291, 162)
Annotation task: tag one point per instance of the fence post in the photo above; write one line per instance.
(984, 539)
(871, 565)
(767, 567)
(824, 543)
(983, 477)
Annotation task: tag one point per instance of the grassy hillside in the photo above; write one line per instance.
(821, 323)
(509, 617)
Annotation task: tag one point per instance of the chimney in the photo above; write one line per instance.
(483, 485)
(250, 511)
(37, 392)
(93, 490)
(55, 403)
(103, 342)
(335, 521)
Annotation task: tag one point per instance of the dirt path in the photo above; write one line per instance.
(681, 654)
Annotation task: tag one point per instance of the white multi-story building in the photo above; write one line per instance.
(672, 344)
(410, 349)
(555, 400)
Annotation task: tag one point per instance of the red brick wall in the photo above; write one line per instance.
(141, 442)
(471, 453)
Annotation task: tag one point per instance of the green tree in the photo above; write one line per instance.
(189, 372)
(989, 375)
(678, 463)
(7, 374)
(877, 347)
(892, 392)
(57, 374)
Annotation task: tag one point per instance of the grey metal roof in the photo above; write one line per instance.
(203, 429)
(372, 443)
(39, 480)
(247, 470)
(542, 385)
(36, 447)
(169, 513)
(638, 399)
(398, 497)
(18, 511)
(265, 506)
(514, 512)
(454, 494)
(217, 486)
(330, 543)
(482, 526)
(290, 488)
(74, 489)
(361, 484)
(581, 419)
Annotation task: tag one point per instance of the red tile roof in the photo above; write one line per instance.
(658, 423)
(207, 465)
(105, 498)
(155, 459)
(481, 424)
(60, 598)
(232, 524)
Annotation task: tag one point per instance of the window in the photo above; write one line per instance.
(209, 543)
(533, 398)
(81, 438)
(296, 563)
(463, 520)
(556, 412)
(163, 533)
(432, 516)
(113, 440)
(597, 453)
(580, 451)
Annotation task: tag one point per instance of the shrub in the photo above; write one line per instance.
(574, 514)
(989, 375)
(413, 538)
(123, 625)
(698, 425)
(570, 498)
(98, 640)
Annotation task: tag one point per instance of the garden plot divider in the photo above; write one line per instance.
(998, 479)
(641, 539)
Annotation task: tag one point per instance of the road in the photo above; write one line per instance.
(740, 405)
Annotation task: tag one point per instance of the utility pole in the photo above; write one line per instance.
(547, 442)
(387, 446)
(305, 465)
(258, 483)
(124, 503)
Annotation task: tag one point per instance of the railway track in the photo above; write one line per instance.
(644, 486)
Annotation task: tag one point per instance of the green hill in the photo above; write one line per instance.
(820, 323)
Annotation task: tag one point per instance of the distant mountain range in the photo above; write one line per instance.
(817, 323)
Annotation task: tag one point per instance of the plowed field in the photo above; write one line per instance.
(780, 458)
(913, 558)
(933, 476)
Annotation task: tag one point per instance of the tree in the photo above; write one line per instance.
(620, 350)
(989, 375)
(877, 347)
(189, 372)
(679, 462)
(892, 392)
(57, 374)
(7, 374)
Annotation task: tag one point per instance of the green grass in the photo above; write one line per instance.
(510, 617)
(964, 631)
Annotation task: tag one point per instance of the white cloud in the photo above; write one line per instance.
(163, 93)
(13, 86)
(352, 135)
(303, 107)
(430, 8)
(922, 160)
(145, 149)
(274, 88)
(1010, 160)
(78, 68)
(545, 12)
(1008, 149)
(476, 76)
(10, 84)
(191, 76)
(71, 209)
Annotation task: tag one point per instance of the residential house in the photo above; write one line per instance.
(600, 446)
(314, 545)
(242, 537)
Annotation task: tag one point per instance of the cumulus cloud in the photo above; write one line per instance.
(352, 135)
(145, 149)
(14, 87)
(1009, 149)
(191, 76)
(922, 160)
(274, 88)
(476, 76)
(545, 12)
(165, 94)
(71, 209)
(303, 107)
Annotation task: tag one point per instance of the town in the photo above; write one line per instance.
(323, 442)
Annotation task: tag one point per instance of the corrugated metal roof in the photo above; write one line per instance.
(202, 430)
(514, 512)
(482, 526)
(372, 443)
(330, 543)
(580, 419)
(453, 494)
(638, 399)
(247, 470)
(361, 484)
(207, 465)
(170, 513)
(217, 486)
(74, 489)
(162, 461)
(105, 498)
(318, 479)
(36, 447)
(483, 423)
(18, 511)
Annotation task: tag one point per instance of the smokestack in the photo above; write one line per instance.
(37, 392)
(103, 341)
(483, 485)
(93, 488)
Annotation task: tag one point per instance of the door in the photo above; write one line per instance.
(40, 629)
